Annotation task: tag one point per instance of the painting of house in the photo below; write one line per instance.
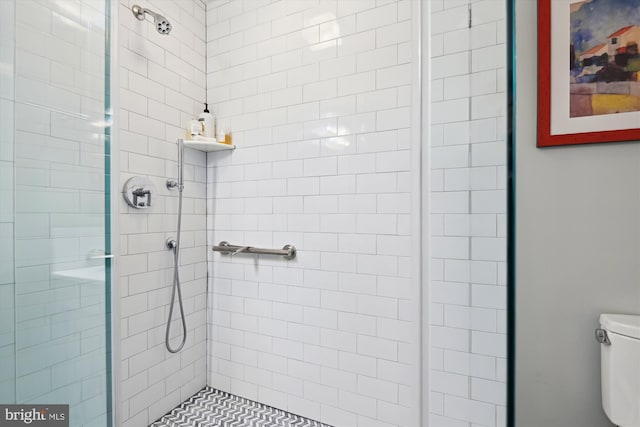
(605, 62)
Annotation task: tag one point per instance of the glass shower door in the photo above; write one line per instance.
(58, 293)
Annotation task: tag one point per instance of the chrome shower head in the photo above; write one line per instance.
(163, 26)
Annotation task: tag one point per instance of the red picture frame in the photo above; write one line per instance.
(545, 138)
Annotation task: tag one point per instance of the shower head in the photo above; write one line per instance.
(163, 26)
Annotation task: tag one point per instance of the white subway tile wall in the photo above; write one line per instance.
(468, 164)
(317, 95)
(162, 86)
(7, 193)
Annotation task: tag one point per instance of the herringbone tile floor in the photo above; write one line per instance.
(210, 407)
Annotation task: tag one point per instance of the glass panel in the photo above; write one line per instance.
(57, 166)
(7, 326)
(468, 181)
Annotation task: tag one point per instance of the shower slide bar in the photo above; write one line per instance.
(225, 248)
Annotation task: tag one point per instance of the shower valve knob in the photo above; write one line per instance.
(138, 192)
(142, 198)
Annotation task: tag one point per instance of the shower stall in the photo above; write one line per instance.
(370, 155)
(55, 207)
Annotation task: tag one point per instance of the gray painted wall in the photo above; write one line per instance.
(578, 247)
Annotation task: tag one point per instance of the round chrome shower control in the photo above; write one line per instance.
(139, 192)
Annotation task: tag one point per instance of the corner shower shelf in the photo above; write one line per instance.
(207, 144)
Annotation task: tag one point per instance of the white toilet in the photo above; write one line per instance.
(620, 368)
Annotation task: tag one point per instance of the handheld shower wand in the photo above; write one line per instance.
(174, 245)
(163, 26)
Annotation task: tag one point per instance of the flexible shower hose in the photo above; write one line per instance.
(176, 264)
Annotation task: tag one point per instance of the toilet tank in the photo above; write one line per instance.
(620, 369)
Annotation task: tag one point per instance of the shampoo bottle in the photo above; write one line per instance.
(208, 122)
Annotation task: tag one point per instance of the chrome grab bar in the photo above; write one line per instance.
(225, 248)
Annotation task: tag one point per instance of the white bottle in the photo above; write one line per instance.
(208, 122)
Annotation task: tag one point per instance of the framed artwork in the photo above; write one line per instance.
(588, 71)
